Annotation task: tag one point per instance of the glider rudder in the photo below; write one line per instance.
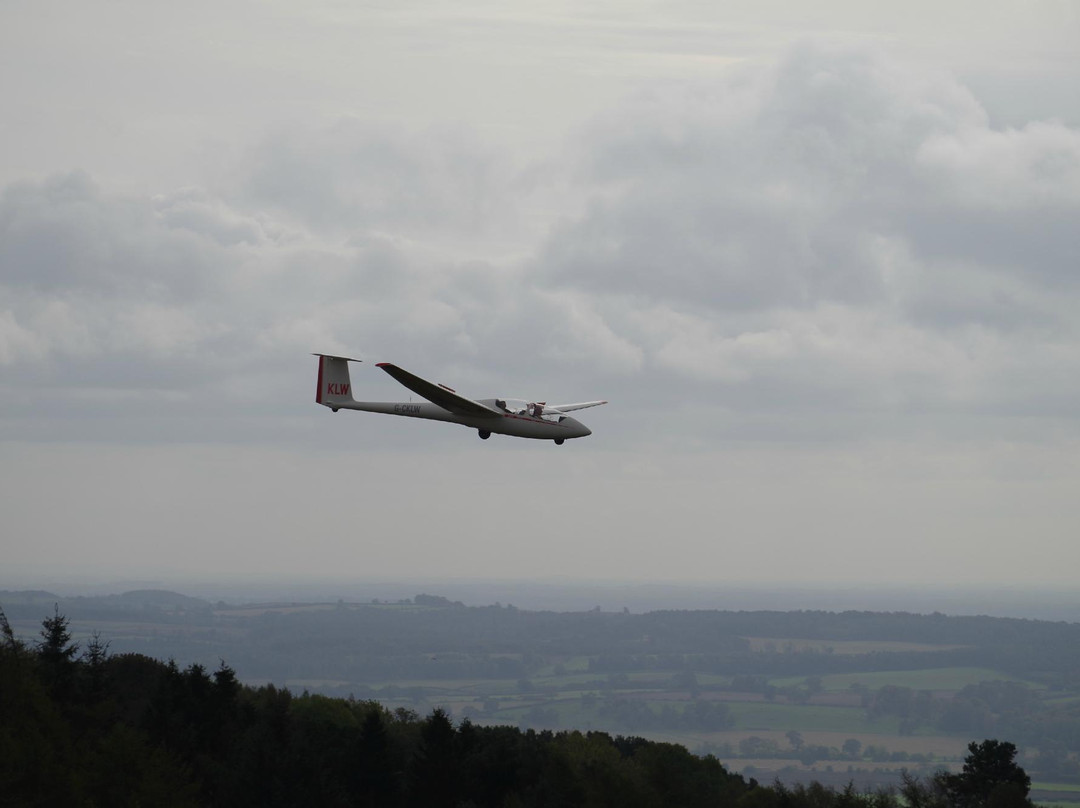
(334, 386)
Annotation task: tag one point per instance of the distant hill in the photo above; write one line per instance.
(34, 603)
(27, 596)
(157, 598)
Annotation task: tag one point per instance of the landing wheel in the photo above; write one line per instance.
(333, 409)
(484, 434)
(559, 441)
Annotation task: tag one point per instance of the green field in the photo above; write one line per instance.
(843, 647)
(556, 702)
(940, 679)
(561, 695)
(807, 718)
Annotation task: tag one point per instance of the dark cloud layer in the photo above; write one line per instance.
(840, 221)
(839, 233)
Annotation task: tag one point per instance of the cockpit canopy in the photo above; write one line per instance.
(533, 409)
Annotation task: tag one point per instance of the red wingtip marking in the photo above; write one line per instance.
(381, 364)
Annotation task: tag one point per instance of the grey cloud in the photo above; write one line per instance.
(1007, 199)
(65, 237)
(108, 333)
(821, 232)
(194, 210)
(775, 249)
(760, 192)
(356, 176)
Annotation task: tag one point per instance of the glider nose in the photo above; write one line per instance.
(580, 430)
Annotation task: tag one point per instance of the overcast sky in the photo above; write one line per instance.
(823, 259)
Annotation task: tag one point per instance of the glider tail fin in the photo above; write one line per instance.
(335, 387)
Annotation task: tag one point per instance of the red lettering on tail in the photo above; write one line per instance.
(337, 389)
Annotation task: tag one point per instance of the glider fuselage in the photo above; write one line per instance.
(520, 425)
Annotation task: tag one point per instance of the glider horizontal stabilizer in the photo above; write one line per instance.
(332, 356)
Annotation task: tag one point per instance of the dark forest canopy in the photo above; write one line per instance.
(101, 729)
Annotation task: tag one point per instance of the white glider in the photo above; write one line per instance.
(487, 416)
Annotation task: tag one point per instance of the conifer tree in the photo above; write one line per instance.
(57, 655)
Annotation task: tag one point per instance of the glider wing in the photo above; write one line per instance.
(572, 407)
(439, 394)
